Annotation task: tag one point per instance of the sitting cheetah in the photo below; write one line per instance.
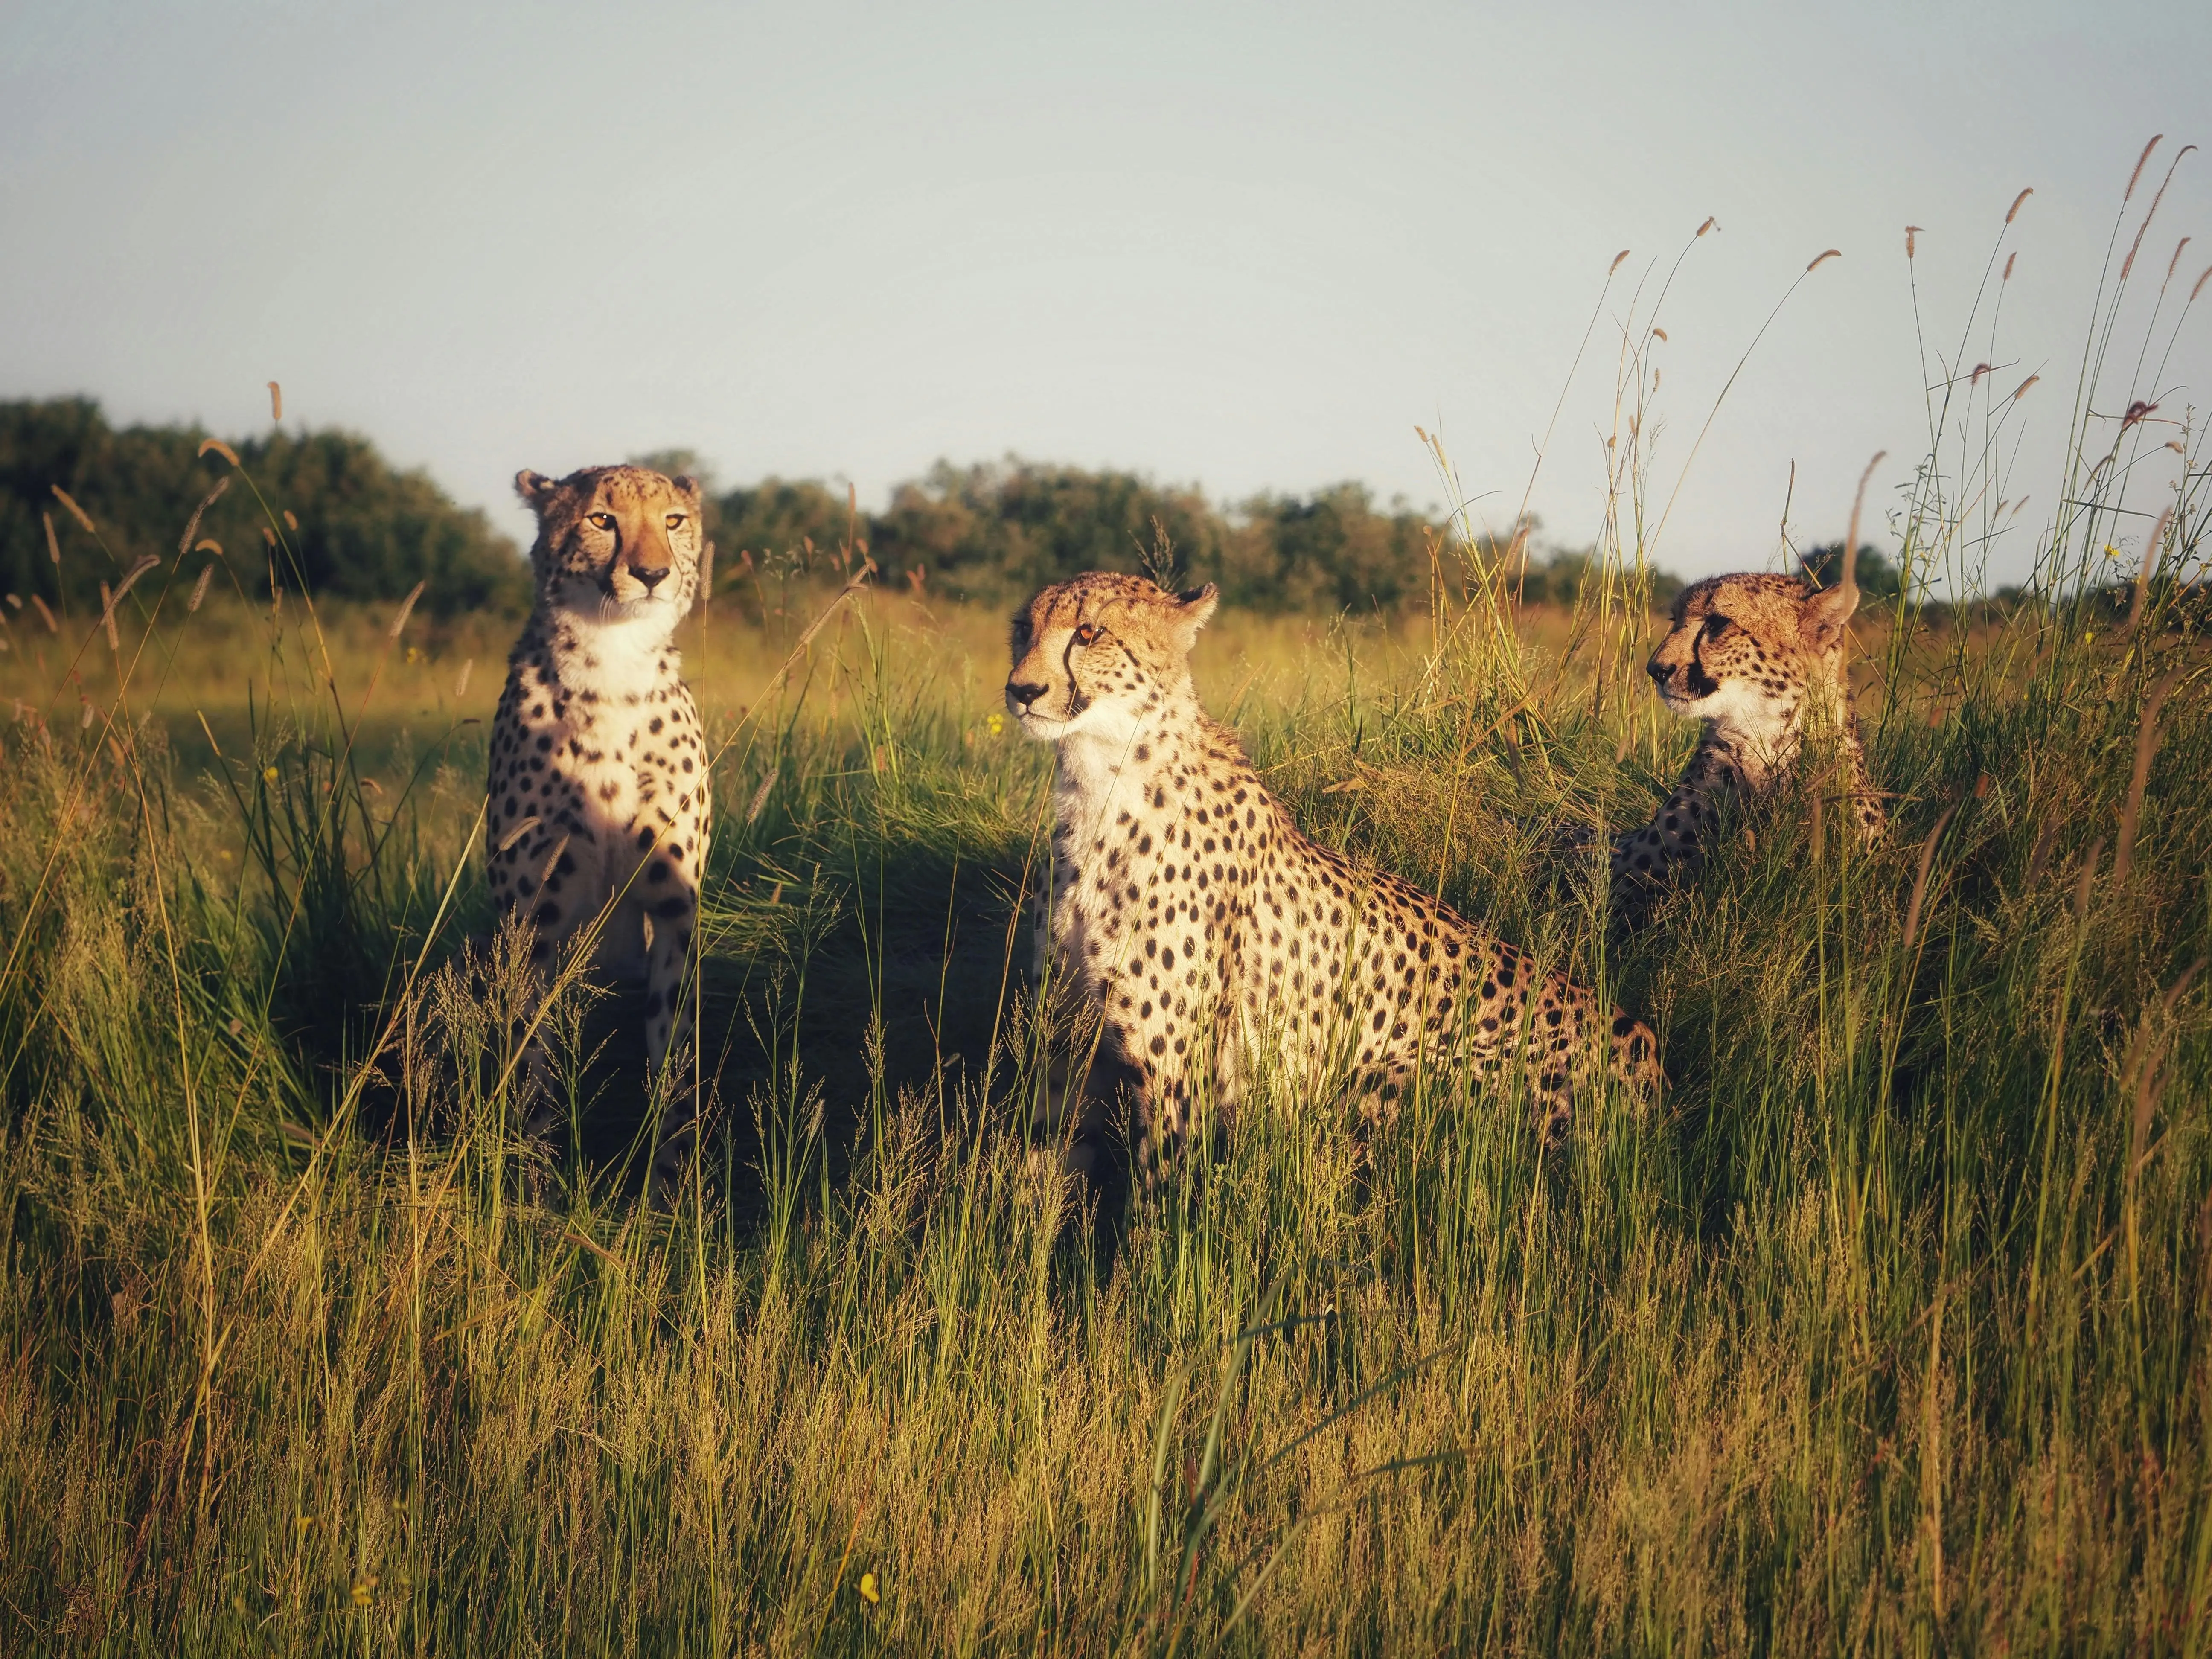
(1192, 914)
(1745, 654)
(599, 806)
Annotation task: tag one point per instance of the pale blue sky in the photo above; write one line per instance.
(1244, 247)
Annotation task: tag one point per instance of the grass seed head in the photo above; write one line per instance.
(2021, 390)
(192, 524)
(107, 617)
(76, 512)
(2011, 259)
(406, 606)
(1920, 877)
(275, 401)
(2146, 748)
(2143, 229)
(1617, 259)
(1820, 259)
(45, 615)
(2086, 879)
(1910, 231)
(216, 447)
(2173, 264)
(2134, 177)
(461, 684)
(2150, 563)
(2013, 212)
(54, 545)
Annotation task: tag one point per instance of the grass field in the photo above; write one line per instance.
(1889, 1335)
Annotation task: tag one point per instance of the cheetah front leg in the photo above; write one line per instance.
(1655, 851)
(671, 903)
(541, 877)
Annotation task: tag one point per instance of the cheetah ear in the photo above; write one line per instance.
(1826, 611)
(687, 486)
(1193, 608)
(535, 489)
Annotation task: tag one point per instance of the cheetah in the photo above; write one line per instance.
(1748, 654)
(1189, 913)
(599, 808)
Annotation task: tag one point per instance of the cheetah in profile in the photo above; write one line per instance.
(1749, 655)
(1189, 912)
(599, 804)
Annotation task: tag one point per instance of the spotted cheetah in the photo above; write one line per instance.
(599, 807)
(1749, 655)
(1206, 930)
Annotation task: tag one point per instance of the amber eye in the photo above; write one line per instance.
(676, 522)
(604, 520)
(1086, 635)
(1715, 625)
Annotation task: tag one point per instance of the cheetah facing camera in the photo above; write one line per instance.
(1188, 910)
(1749, 655)
(599, 808)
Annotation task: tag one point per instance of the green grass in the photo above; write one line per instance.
(1889, 1334)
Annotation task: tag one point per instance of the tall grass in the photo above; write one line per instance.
(1889, 1335)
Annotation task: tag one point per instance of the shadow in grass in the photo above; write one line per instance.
(852, 992)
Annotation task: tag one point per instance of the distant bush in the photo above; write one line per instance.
(366, 530)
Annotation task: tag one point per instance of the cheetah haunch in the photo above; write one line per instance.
(1189, 912)
(599, 806)
(1749, 655)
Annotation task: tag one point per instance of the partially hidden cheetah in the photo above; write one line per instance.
(1749, 655)
(599, 807)
(1189, 912)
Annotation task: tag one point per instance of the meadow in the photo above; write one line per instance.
(1887, 1334)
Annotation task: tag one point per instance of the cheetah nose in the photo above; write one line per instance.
(652, 579)
(1022, 696)
(1660, 672)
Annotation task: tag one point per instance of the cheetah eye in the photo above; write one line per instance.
(1086, 635)
(1716, 625)
(676, 522)
(604, 520)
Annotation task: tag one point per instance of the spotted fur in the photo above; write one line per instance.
(599, 806)
(1749, 655)
(1190, 913)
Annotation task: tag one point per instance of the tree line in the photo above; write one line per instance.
(358, 527)
(326, 510)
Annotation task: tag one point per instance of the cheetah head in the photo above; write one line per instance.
(1098, 654)
(615, 543)
(1743, 649)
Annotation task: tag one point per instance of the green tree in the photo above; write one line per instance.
(1329, 551)
(996, 530)
(360, 528)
